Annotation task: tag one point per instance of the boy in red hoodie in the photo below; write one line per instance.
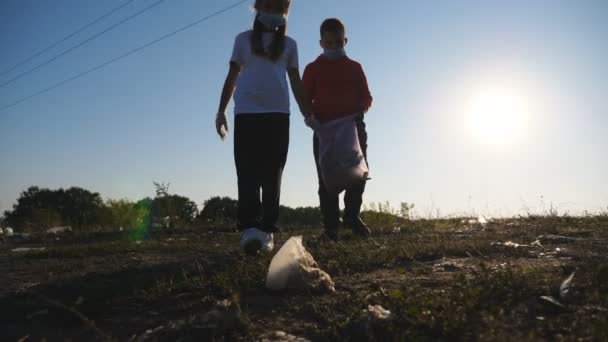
(337, 87)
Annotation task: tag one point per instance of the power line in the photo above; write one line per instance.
(80, 44)
(65, 38)
(56, 85)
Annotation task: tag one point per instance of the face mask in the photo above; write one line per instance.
(334, 54)
(272, 21)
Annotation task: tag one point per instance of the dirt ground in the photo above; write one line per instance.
(436, 280)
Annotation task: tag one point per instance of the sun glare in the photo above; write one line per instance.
(497, 116)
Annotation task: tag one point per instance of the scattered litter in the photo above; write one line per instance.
(557, 239)
(59, 230)
(281, 336)
(378, 312)
(536, 243)
(552, 300)
(294, 267)
(120, 229)
(482, 220)
(397, 230)
(138, 242)
(24, 338)
(153, 331)
(38, 313)
(564, 288)
(509, 244)
(376, 296)
(28, 249)
(9, 231)
(500, 266)
(540, 318)
(447, 266)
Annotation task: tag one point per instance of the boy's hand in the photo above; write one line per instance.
(221, 124)
(312, 122)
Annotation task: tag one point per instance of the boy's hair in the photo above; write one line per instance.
(332, 25)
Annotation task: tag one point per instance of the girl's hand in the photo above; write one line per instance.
(221, 124)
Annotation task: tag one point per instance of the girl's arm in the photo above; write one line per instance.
(296, 88)
(229, 84)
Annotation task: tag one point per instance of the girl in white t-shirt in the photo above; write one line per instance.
(260, 61)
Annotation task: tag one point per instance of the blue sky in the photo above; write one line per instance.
(149, 117)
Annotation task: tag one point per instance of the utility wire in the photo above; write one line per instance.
(80, 44)
(56, 85)
(65, 38)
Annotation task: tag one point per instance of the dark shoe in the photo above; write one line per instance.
(358, 227)
(329, 235)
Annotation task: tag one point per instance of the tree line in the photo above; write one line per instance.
(38, 209)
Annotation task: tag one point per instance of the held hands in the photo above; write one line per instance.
(312, 122)
(221, 124)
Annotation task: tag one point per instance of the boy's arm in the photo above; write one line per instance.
(366, 96)
(308, 85)
(296, 88)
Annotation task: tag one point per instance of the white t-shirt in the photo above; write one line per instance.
(262, 84)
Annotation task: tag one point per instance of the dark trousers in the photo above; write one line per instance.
(261, 142)
(353, 196)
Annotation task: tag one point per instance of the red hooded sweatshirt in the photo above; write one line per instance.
(336, 88)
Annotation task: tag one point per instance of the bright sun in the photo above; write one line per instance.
(497, 116)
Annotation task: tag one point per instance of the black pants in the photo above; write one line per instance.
(353, 197)
(261, 142)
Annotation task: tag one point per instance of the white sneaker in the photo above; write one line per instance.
(268, 243)
(254, 240)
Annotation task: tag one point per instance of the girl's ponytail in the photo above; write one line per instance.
(276, 47)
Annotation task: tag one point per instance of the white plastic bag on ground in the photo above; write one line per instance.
(294, 267)
(340, 156)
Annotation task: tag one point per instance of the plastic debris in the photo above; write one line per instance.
(59, 230)
(281, 336)
(482, 220)
(564, 288)
(9, 231)
(294, 267)
(378, 312)
(397, 230)
(508, 244)
(447, 266)
(557, 239)
(28, 249)
(536, 243)
(552, 300)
